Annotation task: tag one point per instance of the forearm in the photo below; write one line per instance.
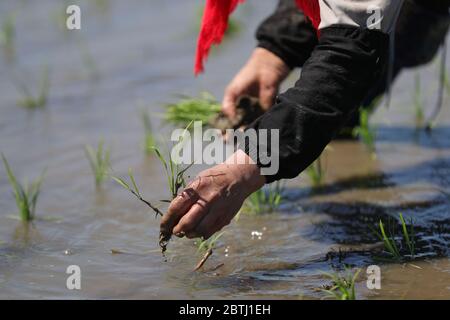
(288, 34)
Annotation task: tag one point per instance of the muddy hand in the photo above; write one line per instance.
(260, 77)
(211, 201)
(248, 109)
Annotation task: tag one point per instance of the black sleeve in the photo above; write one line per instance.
(288, 34)
(333, 82)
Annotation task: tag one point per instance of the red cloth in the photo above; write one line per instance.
(311, 9)
(215, 23)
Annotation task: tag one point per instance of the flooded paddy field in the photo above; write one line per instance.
(131, 55)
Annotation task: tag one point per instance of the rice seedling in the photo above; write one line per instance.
(99, 160)
(26, 195)
(343, 285)
(206, 248)
(176, 180)
(174, 172)
(408, 235)
(209, 244)
(29, 100)
(175, 175)
(393, 246)
(265, 200)
(364, 131)
(390, 243)
(149, 139)
(316, 172)
(133, 188)
(7, 35)
(189, 109)
(418, 102)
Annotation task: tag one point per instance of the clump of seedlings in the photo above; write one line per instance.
(190, 109)
(175, 174)
(206, 247)
(175, 180)
(398, 247)
(99, 161)
(265, 200)
(365, 131)
(343, 285)
(7, 35)
(207, 110)
(26, 195)
(34, 101)
(149, 138)
(418, 103)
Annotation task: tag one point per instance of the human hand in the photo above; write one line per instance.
(260, 77)
(210, 202)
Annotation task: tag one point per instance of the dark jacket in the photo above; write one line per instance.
(346, 66)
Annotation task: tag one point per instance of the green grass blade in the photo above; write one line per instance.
(11, 177)
(35, 191)
(409, 240)
(121, 182)
(136, 189)
(90, 154)
(390, 245)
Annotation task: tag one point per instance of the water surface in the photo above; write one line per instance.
(140, 53)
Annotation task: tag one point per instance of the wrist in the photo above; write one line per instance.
(245, 171)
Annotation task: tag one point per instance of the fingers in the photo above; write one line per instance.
(177, 209)
(229, 102)
(267, 96)
(210, 225)
(188, 223)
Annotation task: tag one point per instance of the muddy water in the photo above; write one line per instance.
(133, 53)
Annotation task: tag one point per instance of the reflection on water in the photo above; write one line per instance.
(129, 52)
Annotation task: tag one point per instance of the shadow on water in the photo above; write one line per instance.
(351, 228)
(353, 223)
(435, 171)
(350, 224)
